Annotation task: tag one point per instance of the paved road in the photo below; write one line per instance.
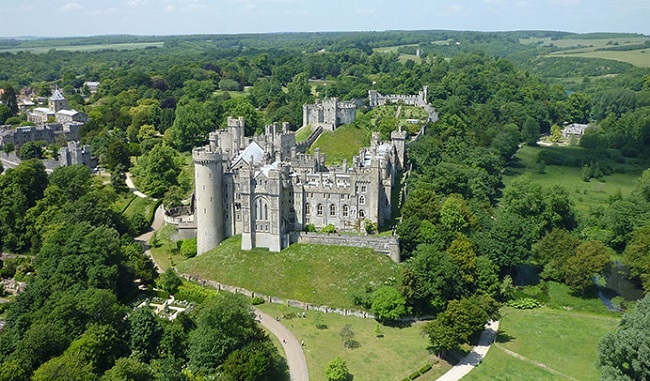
(475, 356)
(292, 348)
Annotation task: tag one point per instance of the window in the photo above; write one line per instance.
(364, 189)
(307, 209)
(362, 213)
(332, 210)
(319, 210)
(362, 200)
(346, 211)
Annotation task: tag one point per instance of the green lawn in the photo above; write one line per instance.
(562, 340)
(499, 366)
(343, 143)
(400, 352)
(586, 195)
(324, 275)
(139, 205)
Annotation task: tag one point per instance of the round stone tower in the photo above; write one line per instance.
(208, 211)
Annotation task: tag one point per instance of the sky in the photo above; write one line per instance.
(58, 18)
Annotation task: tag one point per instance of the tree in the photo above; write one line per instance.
(224, 323)
(169, 281)
(430, 279)
(188, 248)
(128, 369)
(8, 97)
(31, 150)
(347, 335)
(255, 362)
(337, 370)
(591, 258)
(623, 355)
(553, 250)
(637, 256)
(117, 156)
(388, 304)
(157, 170)
(530, 131)
(145, 333)
(5, 113)
(194, 120)
(74, 180)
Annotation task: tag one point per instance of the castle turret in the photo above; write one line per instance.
(209, 216)
(398, 138)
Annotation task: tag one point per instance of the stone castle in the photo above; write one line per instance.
(263, 188)
(376, 99)
(329, 113)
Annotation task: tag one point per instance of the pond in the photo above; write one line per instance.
(619, 282)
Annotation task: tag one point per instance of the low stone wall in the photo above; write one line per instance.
(387, 245)
(275, 300)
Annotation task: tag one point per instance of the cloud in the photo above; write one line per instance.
(456, 8)
(71, 7)
(566, 3)
(170, 8)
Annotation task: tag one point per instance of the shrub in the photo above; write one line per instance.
(188, 248)
(524, 304)
(425, 368)
(328, 229)
(310, 228)
(414, 375)
(256, 301)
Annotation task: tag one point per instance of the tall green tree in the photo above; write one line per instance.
(623, 355)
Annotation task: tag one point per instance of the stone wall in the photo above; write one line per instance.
(304, 145)
(386, 245)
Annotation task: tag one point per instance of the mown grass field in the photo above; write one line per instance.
(85, 48)
(638, 58)
(586, 195)
(343, 143)
(400, 351)
(324, 275)
(561, 340)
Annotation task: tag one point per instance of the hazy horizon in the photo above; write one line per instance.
(82, 18)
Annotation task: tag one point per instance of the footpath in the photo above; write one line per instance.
(477, 354)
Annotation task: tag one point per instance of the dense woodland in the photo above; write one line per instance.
(463, 233)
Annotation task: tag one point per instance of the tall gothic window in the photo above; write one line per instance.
(346, 211)
(332, 210)
(307, 211)
(319, 210)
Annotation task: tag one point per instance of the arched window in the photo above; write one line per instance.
(362, 213)
(319, 210)
(332, 210)
(346, 211)
(266, 211)
(362, 200)
(307, 212)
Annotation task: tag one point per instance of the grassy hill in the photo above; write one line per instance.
(343, 143)
(324, 275)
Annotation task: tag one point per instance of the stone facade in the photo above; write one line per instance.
(263, 188)
(329, 114)
(49, 133)
(376, 99)
(59, 109)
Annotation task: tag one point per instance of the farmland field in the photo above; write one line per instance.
(85, 48)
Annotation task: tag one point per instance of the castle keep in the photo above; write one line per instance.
(329, 114)
(263, 188)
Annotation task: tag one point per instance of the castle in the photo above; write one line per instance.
(263, 188)
(329, 114)
(376, 99)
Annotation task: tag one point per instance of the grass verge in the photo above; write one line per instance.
(400, 352)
